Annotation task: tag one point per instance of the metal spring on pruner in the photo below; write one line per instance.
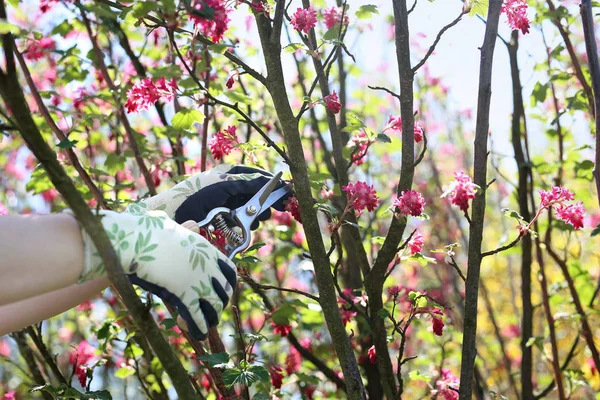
(221, 224)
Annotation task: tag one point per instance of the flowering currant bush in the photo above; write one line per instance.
(395, 269)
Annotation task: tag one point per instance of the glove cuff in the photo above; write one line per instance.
(93, 267)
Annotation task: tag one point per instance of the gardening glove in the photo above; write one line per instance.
(223, 186)
(170, 261)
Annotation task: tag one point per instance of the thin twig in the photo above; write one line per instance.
(437, 39)
(413, 7)
(420, 158)
(385, 90)
(282, 289)
(502, 248)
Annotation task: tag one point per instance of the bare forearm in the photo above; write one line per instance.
(16, 316)
(38, 254)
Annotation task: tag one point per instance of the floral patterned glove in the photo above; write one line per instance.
(223, 186)
(174, 263)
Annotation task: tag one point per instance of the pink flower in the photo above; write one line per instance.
(146, 93)
(461, 190)
(282, 330)
(447, 386)
(571, 214)
(9, 396)
(418, 132)
(372, 354)
(38, 48)
(276, 376)
(362, 143)
(395, 125)
(304, 20)
(292, 361)
(333, 17)
(211, 18)
(81, 356)
(347, 315)
(292, 206)
(230, 82)
(3, 209)
(332, 102)
(222, 142)
(437, 323)
(415, 245)
(557, 195)
(516, 14)
(259, 7)
(410, 203)
(361, 196)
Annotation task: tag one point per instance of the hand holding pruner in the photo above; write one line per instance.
(235, 224)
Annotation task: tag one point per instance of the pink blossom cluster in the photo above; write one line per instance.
(447, 386)
(395, 125)
(558, 196)
(361, 196)
(84, 354)
(361, 142)
(332, 102)
(516, 14)
(333, 17)
(276, 374)
(146, 93)
(214, 26)
(45, 5)
(222, 142)
(304, 19)
(410, 202)
(39, 48)
(372, 355)
(437, 322)
(461, 190)
(415, 244)
(3, 209)
(292, 206)
(282, 330)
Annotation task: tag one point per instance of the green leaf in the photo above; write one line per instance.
(142, 8)
(246, 378)
(292, 47)
(538, 95)
(366, 11)
(383, 313)
(238, 97)
(66, 143)
(332, 33)
(185, 118)
(261, 372)
(382, 137)
(421, 259)
(124, 372)
(215, 359)
(415, 375)
(596, 231)
(283, 314)
(7, 27)
(114, 163)
(39, 181)
(479, 7)
(327, 208)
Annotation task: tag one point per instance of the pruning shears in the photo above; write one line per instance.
(235, 224)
